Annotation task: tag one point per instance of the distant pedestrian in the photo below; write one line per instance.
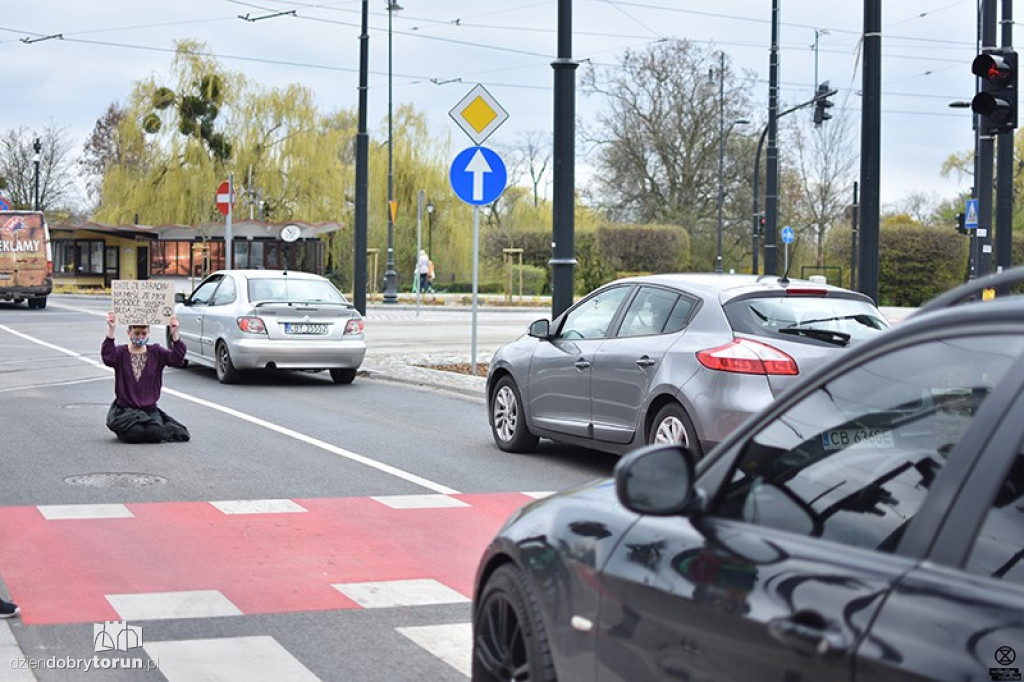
(423, 271)
(138, 378)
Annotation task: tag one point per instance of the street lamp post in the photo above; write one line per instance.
(430, 228)
(722, 132)
(390, 278)
(38, 147)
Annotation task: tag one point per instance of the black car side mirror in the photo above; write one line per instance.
(180, 298)
(657, 480)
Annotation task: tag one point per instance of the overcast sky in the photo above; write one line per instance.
(441, 48)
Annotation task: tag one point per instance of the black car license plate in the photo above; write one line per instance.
(304, 328)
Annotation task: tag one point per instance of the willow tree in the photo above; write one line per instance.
(172, 154)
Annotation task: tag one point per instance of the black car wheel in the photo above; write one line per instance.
(508, 419)
(673, 425)
(343, 376)
(226, 372)
(509, 640)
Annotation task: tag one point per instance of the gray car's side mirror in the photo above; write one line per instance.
(540, 329)
(180, 298)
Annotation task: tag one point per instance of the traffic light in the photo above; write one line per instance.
(997, 101)
(961, 223)
(821, 103)
(761, 220)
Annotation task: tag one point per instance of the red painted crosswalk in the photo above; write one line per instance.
(61, 570)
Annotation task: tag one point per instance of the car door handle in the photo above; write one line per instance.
(807, 638)
(645, 362)
(582, 364)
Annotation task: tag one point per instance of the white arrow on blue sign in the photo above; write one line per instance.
(478, 175)
(787, 235)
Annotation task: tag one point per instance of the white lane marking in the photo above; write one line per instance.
(309, 440)
(390, 593)
(539, 494)
(418, 501)
(228, 659)
(258, 506)
(10, 654)
(54, 512)
(160, 605)
(452, 643)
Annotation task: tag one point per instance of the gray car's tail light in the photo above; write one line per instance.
(745, 356)
(252, 325)
(354, 326)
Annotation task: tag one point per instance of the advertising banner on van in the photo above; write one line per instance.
(142, 301)
(23, 249)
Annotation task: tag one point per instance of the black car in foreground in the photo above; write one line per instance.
(867, 526)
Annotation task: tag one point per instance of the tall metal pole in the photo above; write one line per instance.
(390, 277)
(721, 155)
(38, 147)
(563, 195)
(362, 172)
(986, 149)
(771, 199)
(756, 229)
(1004, 167)
(870, 149)
(854, 217)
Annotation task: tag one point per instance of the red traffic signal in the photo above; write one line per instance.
(997, 101)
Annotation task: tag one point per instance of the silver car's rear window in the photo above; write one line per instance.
(766, 316)
(284, 289)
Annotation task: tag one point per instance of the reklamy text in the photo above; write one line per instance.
(11, 246)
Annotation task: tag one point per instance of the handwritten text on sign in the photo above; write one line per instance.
(142, 302)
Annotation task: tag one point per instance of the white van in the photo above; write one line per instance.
(26, 260)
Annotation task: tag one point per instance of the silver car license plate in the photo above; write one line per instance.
(304, 328)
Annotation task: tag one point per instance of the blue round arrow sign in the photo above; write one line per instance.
(787, 235)
(478, 175)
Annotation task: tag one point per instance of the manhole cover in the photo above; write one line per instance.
(115, 480)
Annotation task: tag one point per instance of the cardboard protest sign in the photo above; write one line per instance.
(142, 302)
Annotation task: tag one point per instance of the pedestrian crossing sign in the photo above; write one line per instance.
(971, 214)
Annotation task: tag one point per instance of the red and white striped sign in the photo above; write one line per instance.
(224, 198)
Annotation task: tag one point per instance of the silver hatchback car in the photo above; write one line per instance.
(682, 358)
(238, 320)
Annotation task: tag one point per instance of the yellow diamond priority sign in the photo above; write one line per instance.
(478, 114)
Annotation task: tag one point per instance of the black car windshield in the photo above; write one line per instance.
(290, 290)
(807, 317)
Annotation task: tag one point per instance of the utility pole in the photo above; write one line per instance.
(986, 154)
(362, 174)
(563, 197)
(771, 199)
(870, 149)
(1004, 167)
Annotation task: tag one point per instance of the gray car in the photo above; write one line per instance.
(682, 358)
(237, 320)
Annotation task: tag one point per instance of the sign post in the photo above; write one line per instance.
(478, 175)
(225, 204)
(787, 239)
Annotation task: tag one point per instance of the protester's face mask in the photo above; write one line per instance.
(139, 337)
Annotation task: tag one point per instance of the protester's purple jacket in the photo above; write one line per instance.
(144, 393)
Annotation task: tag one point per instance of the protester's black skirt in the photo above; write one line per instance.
(129, 422)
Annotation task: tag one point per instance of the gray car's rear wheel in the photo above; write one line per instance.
(508, 418)
(343, 376)
(673, 425)
(226, 372)
(509, 640)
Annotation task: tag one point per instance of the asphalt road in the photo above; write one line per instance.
(308, 531)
